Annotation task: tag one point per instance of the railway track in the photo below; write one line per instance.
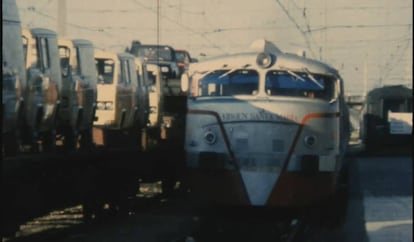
(155, 218)
(35, 184)
(52, 190)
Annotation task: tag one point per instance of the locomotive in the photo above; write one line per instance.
(117, 115)
(264, 129)
(43, 89)
(79, 93)
(13, 80)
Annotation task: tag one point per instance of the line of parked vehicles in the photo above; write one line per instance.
(66, 93)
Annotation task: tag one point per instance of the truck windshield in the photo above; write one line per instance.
(163, 53)
(228, 83)
(299, 84)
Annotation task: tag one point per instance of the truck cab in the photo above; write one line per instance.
(43, 87)
(79, 93)
(115, 121)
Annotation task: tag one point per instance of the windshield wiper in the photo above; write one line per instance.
(312, 77)
(232, 70)
(293, 74)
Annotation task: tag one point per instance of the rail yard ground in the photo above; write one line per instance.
(379, 208)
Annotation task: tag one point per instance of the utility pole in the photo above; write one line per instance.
(158, 22)
(408, 68)
(365, 78)
(61, 17)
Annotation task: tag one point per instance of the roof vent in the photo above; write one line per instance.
(301, 53)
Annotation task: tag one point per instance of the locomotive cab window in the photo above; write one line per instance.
(64, 54)
(105, 68)
(300, 84)
(85, 64)
(228, 83)
(25, 48)
(43, 54)
(126, 72)
(152, 77)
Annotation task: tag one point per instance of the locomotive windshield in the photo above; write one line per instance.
(228, 83)
(288, 83)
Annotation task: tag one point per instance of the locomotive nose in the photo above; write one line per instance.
(259, 185)
(260, 152)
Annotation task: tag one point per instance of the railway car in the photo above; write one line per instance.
(14, 78)
(116, 103)
(264, 129)
(43, 88)
(386, 117)
(79, 93)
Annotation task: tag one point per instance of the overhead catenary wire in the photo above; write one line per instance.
(182, 26)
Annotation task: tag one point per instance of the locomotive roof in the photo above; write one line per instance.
(283, 60)
(82, 42)
(75, 42)
(389, 91)
(42, 31)
(9, 11)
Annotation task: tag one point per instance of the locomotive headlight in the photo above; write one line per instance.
(264, 60)
(100, 106)
(46, 82)
(210, 137)
(310, 141)
(153, 109)
(105, 105)
(109, 106)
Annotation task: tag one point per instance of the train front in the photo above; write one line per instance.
(263, 129)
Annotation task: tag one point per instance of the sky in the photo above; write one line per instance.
(368, 41)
